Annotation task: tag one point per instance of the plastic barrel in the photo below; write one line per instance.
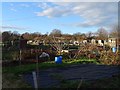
(114, 49)
(58, 59)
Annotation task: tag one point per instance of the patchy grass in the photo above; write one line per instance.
(44, 65)
(28, 68)
(11, 78)
(69, 84)
(13, 81)
(57, 76)
(112, 82)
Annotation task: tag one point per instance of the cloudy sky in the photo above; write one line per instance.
(69, 17)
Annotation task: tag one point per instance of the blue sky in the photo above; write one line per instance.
(69, 17)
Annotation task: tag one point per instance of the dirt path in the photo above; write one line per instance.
(52, 76)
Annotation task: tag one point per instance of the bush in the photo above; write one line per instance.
(15, 55)
(109, 58)
(65, 56)
(10, 55)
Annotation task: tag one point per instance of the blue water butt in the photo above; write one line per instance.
(114, 49)
(58, 59)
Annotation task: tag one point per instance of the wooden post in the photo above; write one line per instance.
(20, 56)
(117, 43)
(37, 69)
(35, 80)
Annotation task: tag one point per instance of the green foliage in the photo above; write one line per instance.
(81, 61)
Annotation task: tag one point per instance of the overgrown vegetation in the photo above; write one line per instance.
(109, 58)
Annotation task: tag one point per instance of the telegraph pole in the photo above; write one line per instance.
(20, 56)
(20, 51)
(117, 41)
(37, 68)
(118, 28)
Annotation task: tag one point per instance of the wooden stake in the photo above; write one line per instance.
(35, 80)
(20, 56)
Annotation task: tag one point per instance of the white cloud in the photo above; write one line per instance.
(94, 13)
(60, 0)
(54, 12)
(12, 9)
(13, 27)
(82, 0)
(43, 5)
(24, 5)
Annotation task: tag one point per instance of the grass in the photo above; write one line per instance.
(82, 61)
(50, 64)
(11, 77)
(57, 76)
(10, 80)
(112, 82)
(28, 68)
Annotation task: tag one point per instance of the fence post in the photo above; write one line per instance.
(35, 80)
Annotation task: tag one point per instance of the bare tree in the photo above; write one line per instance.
(102, 33)
(56, 32)
(56, 40)
(89, 34)
(114, 32)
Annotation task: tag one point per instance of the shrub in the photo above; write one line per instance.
(65, 56)
(108, 57)
(10, 55)
(15, 55)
